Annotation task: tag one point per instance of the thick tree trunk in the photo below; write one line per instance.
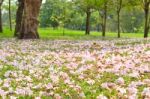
(1, 25)
(29, 22)
(88, 14)
(147, 25)
(19, 17)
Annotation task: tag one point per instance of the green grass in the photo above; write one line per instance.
(49, 33)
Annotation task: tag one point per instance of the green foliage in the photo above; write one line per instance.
(70, 14)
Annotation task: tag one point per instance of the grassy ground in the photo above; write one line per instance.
(48, 33)
(46, 69)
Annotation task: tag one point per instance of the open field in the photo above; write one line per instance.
(49, 33)
(75, 69)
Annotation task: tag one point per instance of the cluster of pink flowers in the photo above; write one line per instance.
(75, 69)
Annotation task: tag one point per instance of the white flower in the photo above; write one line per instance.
(101, 97)
(134, 74)
(13, 97)
(121, 90)
(146, 93)
(37, 97)
(7, 74)
(1, 80)
(82, 95)
(57, 96)
(91, 82)
(49, 86)
(146, 81)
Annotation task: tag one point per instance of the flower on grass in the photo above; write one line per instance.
(108, 85)
(57, 96)
(2, 92)
(122, 91)
(91, 82)
(101, 97)
(13, 97)
(24, 91)
(82, 95)
(134, 74)
(146, 93)
(132, 91)
(120, 81)
(49, 86)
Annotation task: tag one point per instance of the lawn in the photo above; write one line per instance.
(49, 33)
(75, 69)
(74, 66)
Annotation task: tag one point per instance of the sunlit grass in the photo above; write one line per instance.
(66, 34)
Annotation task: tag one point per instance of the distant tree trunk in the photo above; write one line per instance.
(147, 23)
(19, 17)
(10, 24)
(118, 24)
(88, 16)
(119, 7)
(29, 22)
(1, 25)
(104, 19)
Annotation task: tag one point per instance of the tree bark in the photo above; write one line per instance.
(119, 7)
(10, 24)
(88, 14)
(118, 24)
(104, 19)
(147, 25)
(19, 17)
(29, 21)
(1, 25)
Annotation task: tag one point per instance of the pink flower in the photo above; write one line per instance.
(120, 81)
(132, 91)
(108, 85)
(49, 86)
(2, 92)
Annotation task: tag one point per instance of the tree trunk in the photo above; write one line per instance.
(10, 24)
(147, 25)
(119, 7)
(29, 22)
(104, 28)
(104, 18)
(88, 14)
(1, 25)
(19, 17)
(118, 24)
